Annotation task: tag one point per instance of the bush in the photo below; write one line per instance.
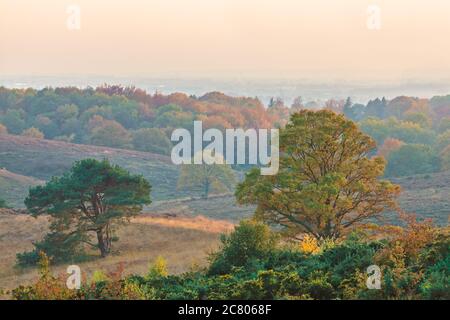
(152, 140)
(436, 283)
(33, 133)
(250, 240)
(57, 247)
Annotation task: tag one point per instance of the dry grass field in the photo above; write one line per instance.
(184, 242)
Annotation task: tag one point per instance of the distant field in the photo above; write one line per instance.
(184, 242)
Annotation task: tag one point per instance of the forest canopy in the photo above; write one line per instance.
(131, 118)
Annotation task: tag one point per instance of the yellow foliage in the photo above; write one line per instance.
(309, 245)
(99, 276)
(158, 268)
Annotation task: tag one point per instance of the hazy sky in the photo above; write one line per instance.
(262, 38)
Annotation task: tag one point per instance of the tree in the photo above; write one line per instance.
(33, 133)
(443, 140)
(13, 120)
(335, 105)
(90, 199)
(353, 111)
(172, 116)
(445, 158)
(110, 133)
(326, 183)
(376, 108)
(206, 177)
(444, 125)
(250, 240)
(420, 118)
(408, 132)
(151, 140)
(276, 102)
(412, 159)
(297, 104)
(389, 145)
(65, 112)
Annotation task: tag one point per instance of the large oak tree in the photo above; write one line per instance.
(327, 182)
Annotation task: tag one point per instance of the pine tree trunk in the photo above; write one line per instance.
(206, 191)
(104, 241)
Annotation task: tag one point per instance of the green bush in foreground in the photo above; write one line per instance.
(415, 264)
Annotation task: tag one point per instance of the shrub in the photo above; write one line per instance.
(250, 240)
(436, 285)
(57, 247)
(158, 269)
(33, 133)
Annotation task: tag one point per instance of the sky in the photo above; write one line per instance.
(220, 38)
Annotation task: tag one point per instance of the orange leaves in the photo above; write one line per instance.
(389, 145)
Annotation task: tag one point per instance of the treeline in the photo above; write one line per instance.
(120, 117)
(412, 134)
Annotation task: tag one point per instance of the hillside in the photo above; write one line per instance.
(14, 187)
(41, 159)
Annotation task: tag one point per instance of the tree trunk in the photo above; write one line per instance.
(206, 190)
(104, 241)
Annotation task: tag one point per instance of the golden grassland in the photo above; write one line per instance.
(184, 242)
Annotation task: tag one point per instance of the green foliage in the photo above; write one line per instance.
(14, 121)
(99, 276)
(206, 178)
(65, 114)
(444, 125)
(412, 159)
(419, 118)
(151, 140)
(443, 141)
(58, 247)
(436, 284)
(110, 133)
(158, 269)
(276, 271)
(250, 240)
(406, 131)
(326, 183)
(90, 199)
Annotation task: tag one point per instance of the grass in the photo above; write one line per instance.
(426, 195)
(184, 242)
(14, 187)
